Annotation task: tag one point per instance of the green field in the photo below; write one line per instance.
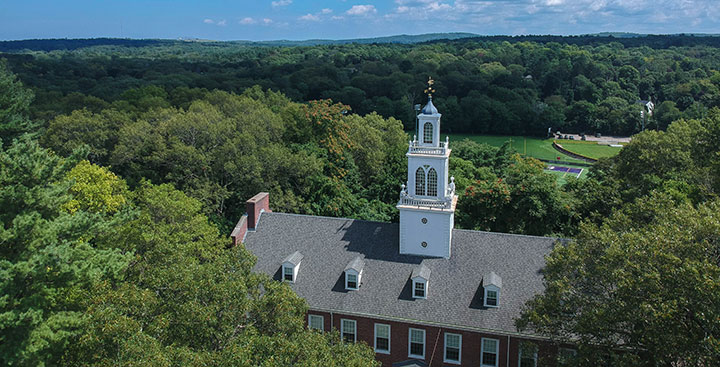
(589, 148)
(531, 147)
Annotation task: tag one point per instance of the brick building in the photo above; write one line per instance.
(420, 292)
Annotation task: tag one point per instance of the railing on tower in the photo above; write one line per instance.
(439, 203)
(415, 147)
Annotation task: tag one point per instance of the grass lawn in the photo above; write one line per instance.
(532, 147)
(589, 148)
(562, 177)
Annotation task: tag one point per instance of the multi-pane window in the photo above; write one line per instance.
(489, 352)
(348, 330)
(315, 322)
(288, 273)
(382, 338)
(420, 181)
(417, 343)
(428, 133)
(566, 356)
(453, 344)
(491, 297)
(432, 182)
(419, 289)
(528, 354)
(352, 281)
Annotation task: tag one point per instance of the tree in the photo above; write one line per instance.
(50, 257)
(642, 289)
(14, 103)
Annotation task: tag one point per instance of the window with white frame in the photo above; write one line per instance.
(420, 181)
(528, 354)
(416, 343)
(428, 133)
(453, 345)
(348, 330)
(351, 280)
(288, 273)
(491, 296)
(316, 322)
(432, 183)
(489, 352)
(419, 289)
(382, 338)
(566, 356)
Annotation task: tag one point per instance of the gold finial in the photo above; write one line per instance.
(430, 90)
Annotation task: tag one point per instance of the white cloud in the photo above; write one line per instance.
(337, 17)
(326, 11)
(279, 3)
(361, 10)
(267, 21)
(222, 23)
(554, 2)
(247, 21)
(310, 17)
(208, 21)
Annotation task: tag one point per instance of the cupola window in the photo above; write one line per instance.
(432, 182)
(420, 181)
(428, 133)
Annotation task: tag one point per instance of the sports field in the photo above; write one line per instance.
(590, 148)
(532, 147)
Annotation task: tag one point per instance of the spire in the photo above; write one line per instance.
(429, 108)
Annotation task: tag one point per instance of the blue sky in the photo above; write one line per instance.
(338, 19)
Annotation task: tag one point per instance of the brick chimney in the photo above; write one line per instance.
(253, 207)
(256, 205)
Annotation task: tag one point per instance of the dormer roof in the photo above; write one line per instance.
(356, 264)
(421, 271)
(492, 279)
(295, 258)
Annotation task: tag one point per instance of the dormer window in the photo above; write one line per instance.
(290, 266)
(420, 277)
(492, 284)
(353, 273)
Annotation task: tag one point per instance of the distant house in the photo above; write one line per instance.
(420, 292)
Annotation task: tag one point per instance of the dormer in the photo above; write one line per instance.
(420, 277)
(491, 284)
(290, 266)
(353, 274)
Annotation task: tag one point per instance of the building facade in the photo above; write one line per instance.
(420, 293)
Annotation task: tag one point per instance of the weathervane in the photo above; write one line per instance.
(430, 89)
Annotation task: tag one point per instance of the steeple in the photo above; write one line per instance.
(427, 202)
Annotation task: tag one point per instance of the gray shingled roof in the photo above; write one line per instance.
(328, 244)
(294, 258)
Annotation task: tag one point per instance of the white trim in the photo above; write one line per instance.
(445, 345)
(520, 352)
(375, 336)
(497, 296)
(322, 322)
(357, 279)
(425, 287)
(410, 355)
(292, 273)
(497, 352)
(342, 329)
(431, 323)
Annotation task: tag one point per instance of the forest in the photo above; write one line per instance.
(123, 169)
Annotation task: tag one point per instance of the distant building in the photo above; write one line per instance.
(420, 292)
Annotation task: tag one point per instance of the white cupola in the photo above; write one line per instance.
(427, 201)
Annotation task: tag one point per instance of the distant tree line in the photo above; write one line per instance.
(488, 85)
